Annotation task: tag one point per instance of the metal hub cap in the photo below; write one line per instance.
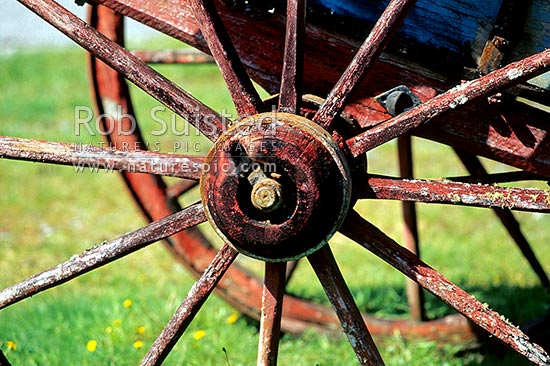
(277, 186)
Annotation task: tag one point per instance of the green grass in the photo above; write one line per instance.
(48, 213)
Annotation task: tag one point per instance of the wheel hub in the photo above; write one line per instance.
(276, 187)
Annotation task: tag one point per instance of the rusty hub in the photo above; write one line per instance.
(277, 186)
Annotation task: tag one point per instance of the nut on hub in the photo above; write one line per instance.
(267, 195)
(277, 188)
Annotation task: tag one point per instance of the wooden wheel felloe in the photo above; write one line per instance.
(279, 182)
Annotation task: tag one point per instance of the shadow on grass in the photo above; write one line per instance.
(526, 307)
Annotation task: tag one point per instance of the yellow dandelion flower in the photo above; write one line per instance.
(127, 303)
(141, 330)
(117, 323)
(232, 318)
(138, 344)
(11, 345)
(108, 330)
(91, 345)
(199, 334)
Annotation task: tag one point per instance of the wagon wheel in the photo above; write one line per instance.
(108, 85)
(290, 211)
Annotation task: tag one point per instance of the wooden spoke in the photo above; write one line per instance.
(415, 294)
(190, 307)
(371, 238)
(272, 307)
(291, 80)
(103, 254)
(487, 85)
(245, 97)
(506, 217)
(337, 291)
(92, 157)
(179, 57)
(449, 192)
(206, 120)
(370, 50)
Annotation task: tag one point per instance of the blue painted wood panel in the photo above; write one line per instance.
(458, 29)
(457, 26)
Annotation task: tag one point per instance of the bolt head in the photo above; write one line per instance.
(267, 195)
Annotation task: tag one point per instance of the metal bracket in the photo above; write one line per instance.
(398, 100)
(508, 25)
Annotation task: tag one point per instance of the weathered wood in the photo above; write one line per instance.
(189, 308)
(103, 254)
(448, 27)
(129, 65)
(328, 273)
(244, 96)
(457, 193)
(485, 86)
(371, 49)
(95, 157)
(324, 66)
(453, 27)
(374, 240)
(272, 309)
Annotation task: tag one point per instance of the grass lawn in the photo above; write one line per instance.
(112, 315)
